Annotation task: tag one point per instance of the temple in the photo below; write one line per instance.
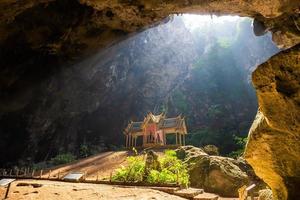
(155, 130)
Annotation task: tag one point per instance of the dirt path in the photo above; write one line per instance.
(100, 165)
(53, 190)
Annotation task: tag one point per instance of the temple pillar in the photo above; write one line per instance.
(128, 142)
(132, 140)
(176, 138)
(179, 134)
(183, 139)
(144, 139)
(126, 138)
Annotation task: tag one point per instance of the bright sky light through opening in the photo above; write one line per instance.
(193, 21)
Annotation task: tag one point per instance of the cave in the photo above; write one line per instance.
(51, 52)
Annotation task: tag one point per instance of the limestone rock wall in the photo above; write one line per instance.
(273, 148)
(91, 102)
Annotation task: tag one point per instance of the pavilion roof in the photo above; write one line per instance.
(176, 122)
(171, 123)
(154, 118)
(134, 127)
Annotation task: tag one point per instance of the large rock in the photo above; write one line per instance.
(218, 175)
(273, 148)
(215, 174)
(189, 153)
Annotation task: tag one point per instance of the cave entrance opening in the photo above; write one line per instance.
(200, 66)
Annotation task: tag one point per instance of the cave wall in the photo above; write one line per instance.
(39, 37)
(276, 129)
(91, 101)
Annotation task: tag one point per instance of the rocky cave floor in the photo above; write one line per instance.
(61, 190)
(101, 166)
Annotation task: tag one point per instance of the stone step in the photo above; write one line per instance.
(206, 196)
(170, 190)
(189, 192)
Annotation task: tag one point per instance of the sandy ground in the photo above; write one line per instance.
(52, 190)
(101, 165)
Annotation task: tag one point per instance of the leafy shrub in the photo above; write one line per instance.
(173, 170)
(133, 172)
(84, 151)
(241, 142)
(164, 176)
(63, 159)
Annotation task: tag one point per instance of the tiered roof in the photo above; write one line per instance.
(161, 120)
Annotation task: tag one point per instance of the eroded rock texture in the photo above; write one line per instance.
(273, 148)
(217, 174)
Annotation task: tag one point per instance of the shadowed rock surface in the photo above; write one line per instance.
(91, 101)
(37, 36)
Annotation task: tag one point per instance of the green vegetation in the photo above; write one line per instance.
(62, 159)
(59, 159)
(84, 151)
(172, 170)
(241, 142)
(131, 173)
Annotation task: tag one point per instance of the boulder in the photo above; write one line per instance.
(211, 150)
(189, 153)
(215, 174)
(218, 175)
